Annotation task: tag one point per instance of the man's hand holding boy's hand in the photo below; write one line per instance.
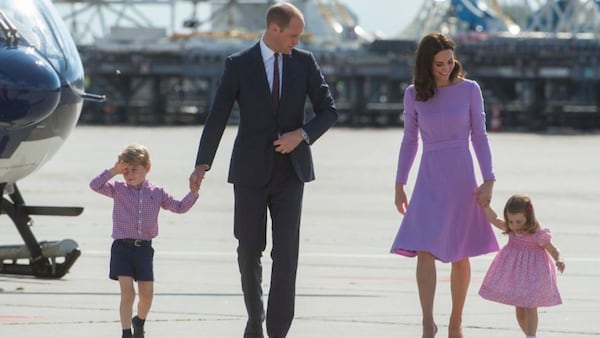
(197, 176)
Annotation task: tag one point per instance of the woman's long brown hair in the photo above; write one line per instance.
(423, 79)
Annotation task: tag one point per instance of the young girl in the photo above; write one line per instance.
(522, 274)
(135, 214)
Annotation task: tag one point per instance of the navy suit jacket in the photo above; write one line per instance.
(244, 81)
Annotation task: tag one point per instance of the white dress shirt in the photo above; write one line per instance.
(268, 57)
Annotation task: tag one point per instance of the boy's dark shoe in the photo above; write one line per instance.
(138, 327)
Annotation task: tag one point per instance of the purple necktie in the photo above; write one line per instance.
(275, 91)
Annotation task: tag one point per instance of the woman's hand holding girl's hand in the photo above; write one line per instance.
(560, 265)
(484, 193)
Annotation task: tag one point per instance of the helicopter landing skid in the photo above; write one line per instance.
(47, 259)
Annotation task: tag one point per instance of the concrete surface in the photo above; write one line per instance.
(348, 283)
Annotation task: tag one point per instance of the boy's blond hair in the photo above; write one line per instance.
(135, 154)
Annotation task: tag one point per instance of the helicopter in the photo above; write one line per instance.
(41, 96)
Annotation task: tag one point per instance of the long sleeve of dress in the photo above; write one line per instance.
(410, 139)
(479, 138)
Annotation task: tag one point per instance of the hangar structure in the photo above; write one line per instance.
(159, 61)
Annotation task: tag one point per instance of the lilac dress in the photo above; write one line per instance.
(443, 217)
(523, 273)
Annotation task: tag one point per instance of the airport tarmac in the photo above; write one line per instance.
(348, 286)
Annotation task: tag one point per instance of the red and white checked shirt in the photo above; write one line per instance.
(135, 211)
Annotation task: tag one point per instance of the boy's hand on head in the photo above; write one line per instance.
(119, 168)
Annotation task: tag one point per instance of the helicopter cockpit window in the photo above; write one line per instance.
(39, 25)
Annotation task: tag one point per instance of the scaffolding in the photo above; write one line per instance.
(543, 74)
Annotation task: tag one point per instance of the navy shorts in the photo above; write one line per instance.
(133, 259)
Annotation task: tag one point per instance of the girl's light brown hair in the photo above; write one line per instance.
(521, 204)
(423, 79)
(135, 154)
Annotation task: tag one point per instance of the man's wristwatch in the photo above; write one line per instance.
(304, 136)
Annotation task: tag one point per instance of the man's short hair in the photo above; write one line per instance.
(282, 13)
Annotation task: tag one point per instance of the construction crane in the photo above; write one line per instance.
(537, 68)
(562, 16)
(546, 16)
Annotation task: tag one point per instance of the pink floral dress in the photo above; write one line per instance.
(523, 273)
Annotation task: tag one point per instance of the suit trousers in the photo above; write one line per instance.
(282, 196)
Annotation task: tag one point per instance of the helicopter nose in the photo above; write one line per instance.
(29, 87)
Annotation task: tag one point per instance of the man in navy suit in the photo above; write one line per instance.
(271, 158)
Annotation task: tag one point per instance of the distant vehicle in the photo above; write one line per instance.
(41, 95)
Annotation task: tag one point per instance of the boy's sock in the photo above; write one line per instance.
(530, 337)
(127, 333)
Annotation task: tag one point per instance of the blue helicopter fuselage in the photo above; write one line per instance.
(41, 86)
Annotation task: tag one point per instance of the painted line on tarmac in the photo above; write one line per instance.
(171, 253)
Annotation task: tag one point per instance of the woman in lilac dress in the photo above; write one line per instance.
(444, 220)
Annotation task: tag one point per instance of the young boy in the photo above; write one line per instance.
(135, 223)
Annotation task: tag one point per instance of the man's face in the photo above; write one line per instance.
(286, 39)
